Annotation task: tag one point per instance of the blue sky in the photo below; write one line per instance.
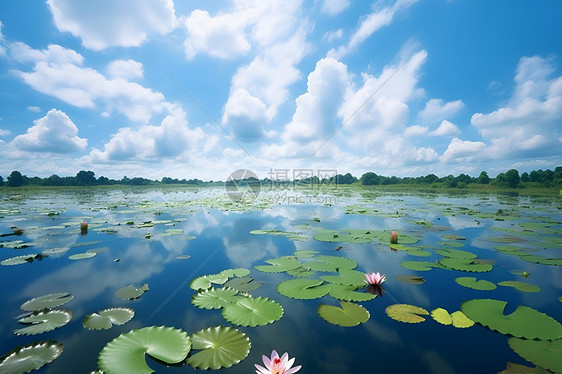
(199, 89)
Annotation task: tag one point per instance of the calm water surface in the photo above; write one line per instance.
(223, 240)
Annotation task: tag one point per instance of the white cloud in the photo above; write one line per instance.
(246, 115)
(333, 7)
(222, 36)
(416, 130)
(125, 69)
(534, 109)
(58, 72)
(463, 150)
(436, 110)
(333, 35)
(5, 132)
(107, 23)
(316, 112)
(369, 24)
(446, 128)
(33, 108)
(54, 133)
(171, 139)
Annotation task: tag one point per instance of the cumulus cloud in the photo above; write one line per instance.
(58, 72)
(124, 23)
(459, 150)
(54, 133)
(416, 130)
(246, 115)
(446, 128)
(369, 24)
(333, 7)
(125, 69)
(172, 138)
(5, 132)
(534, 109)
(33, 108)
(436, 110)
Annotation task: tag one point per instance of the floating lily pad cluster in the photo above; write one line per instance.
(361, 236)
(316, 276)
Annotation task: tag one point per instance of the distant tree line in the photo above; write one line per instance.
(511, 178)
(88, 178)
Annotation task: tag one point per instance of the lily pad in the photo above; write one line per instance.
(220, 347)
(82, 256)
(303, 288)
(18, 260)
(238, 272)
(131, 292)
(305, 253)
(406, 313)
(125, 354)
(453, 237)
(410, 279)
(546, 354)
(279, 265)
(250, 311)
(348, 293)
(47, 301)
(541, 260)
(470, 265)
(244, 284)
(348, 315)
(347, 277)
(457, 319)
(43, 322)
(214, 298)
(455, 253)
(471, 282)
(420, 265)
(204, 282)
(301, 272)
(524, 322)
(31, 357)
(105, 319)
(520, 286)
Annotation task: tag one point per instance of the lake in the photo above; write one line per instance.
(165, 238)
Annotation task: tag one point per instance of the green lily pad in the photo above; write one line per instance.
(250, 311)
(455, 253)
(348, 293)
(82, 256)
(520, 286)
(301, 272)
(419, 265)
(410, 279)
(417, 252)
(106, 318)
(85, 244)
(31, 357)
(43, 322)
(18, 260)
(230, 273)
(303, 288)
(451, 244)
(471, 265)
(47, 301)
(204, 282)
(470, 282)
(244, 284)
(546, 354)
(453, 237)
(131, 292)
(125, 354)
(524, 322)
(348, 315)
(406, 313)
(534, 259)
(279, 265)
(220, 347)
(347, 277)
(305, 253)
(214, 298)
(457, 319)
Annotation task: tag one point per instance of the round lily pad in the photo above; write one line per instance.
(456, 253)
(524, 322)
(43, 322)
(82, 256)
(348, 293)
(462, 264)
(47, 301)
(125, 354)
(520, 286)
(347, 277)
(250, 311)
(238, 272)
(457, 319)
(131, 292)
(546, 354)
(406, 313)
(18, 260)
(305, 253)
(214, 298)
(303, 288)
(419, 265)
(338, 262)
(31, 357)
(243, 284)
(471, 282)
(349, 314)
(279, 265)
(220, 347)
(204, 282)
(105, 319)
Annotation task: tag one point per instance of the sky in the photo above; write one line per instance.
(199, 89)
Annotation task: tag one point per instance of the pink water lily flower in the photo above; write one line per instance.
(375, 279)
(277, 365)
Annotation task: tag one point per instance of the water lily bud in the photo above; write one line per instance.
(84, 226)
(393, 237)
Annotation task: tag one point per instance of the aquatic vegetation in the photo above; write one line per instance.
(30, 357)
(277, 365)
(520, 286)
(471, 282)
(252, 311)
(105, 319)
(375, 278)
(304, 289)
(457, 319)
(545, 354)
(131, 292)
(47, 301)
(214, 298)
(218, 347)
(406, 313)
(43, 322)
(393, 237)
